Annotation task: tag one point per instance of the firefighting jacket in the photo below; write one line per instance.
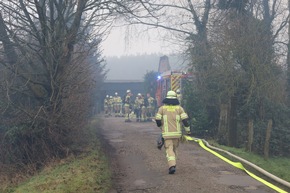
(127, 100)
(150, 102)
(170, 118)
(139, 102)
(117, 100)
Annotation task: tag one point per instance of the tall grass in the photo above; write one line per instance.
(87, 172)
(278, 166)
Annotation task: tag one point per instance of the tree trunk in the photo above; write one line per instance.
(250, 135)
(7, 44)
(223, 124)
(288, 61)
(267, 140)
(232, 137)
(37, 89)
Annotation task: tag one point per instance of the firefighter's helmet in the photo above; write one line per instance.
(171, 95)
(128, 91)
(116, 93)
(107, 96)
(178, 91)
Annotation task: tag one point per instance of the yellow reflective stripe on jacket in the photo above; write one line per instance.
(158, 116)
(183, 116)
(178, 123)
(170, 108)
(172, 134)
(165, 124)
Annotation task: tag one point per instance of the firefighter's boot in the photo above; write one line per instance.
(172, 170)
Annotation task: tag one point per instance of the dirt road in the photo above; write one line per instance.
(138, 166)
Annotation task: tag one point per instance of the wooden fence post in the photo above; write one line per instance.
(267, 140)
(223, 124)
(250, 135)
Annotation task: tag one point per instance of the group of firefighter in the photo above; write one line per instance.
(142, 108)
(169, 118)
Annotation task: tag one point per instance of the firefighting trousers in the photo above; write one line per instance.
(106, 109)
(127, 111)
(117, 109)
(143, 113)
(150, 112)
(171, 150)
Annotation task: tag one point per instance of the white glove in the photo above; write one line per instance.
(187, 130)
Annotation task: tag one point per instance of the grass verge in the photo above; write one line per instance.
(278, 166)
(86, 173)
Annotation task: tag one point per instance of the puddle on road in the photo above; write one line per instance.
(112, 135)
(139, 182)
(226, 173)
(149, 129)
(116, 140)
(156, 133)
(227, 178)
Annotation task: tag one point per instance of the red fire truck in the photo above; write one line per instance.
(168, 80)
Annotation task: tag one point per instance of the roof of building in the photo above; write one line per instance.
(122, 81)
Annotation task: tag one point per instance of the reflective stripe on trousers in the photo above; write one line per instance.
(127, 111)
(171, 150)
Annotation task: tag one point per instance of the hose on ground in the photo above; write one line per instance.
(264, 172)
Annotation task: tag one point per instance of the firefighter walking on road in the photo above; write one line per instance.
(151, 107)
(144, 109)
(170, 118)
(110, 105)
(117, 105)
(140, 108)
(106, 105)
(127, 105)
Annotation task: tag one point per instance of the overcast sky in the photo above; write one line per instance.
(135, 41)
(135, 67)
(131, 52)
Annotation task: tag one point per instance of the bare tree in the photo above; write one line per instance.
(248, 59)
(51, 63)
(186, 25)
(235, 52)
(288, 60)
